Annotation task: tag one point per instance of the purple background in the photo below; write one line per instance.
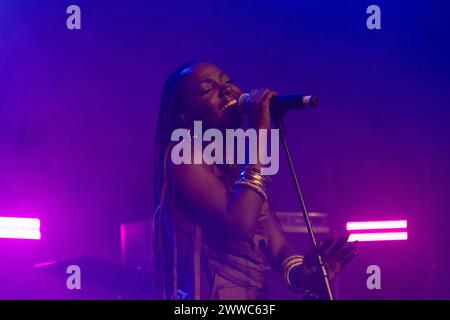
(78, 113)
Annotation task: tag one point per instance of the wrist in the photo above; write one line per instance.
(305, 278)
(290, 267)
(251, 177)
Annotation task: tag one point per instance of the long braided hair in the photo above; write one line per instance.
(171, 106)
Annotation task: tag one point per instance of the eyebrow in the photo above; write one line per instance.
(222, 74)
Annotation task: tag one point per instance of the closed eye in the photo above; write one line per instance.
(205, 91)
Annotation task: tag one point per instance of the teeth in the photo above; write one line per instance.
(229, 104)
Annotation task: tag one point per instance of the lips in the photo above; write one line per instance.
(230, 104)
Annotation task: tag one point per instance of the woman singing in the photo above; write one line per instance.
(213, 227)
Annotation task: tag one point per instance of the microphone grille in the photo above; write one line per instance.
(310, 101)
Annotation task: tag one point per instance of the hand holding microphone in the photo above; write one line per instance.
(272, 105)
(256, 105)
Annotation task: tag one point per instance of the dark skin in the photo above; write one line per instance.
(204, 91)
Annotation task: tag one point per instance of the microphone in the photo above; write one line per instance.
(279, 105)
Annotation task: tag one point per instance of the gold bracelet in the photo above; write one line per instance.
(254, 174)
(255, 170)
(294, 257)
(288, 264)
(253, 180)
(260, 179)
(252, 186)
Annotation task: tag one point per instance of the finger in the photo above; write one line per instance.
(261, 94)
(267, 96)
(251, 95)
(248, 97)
(255, 93)
(349, 258)
(339, 244)
(325, 245)
(345, 252)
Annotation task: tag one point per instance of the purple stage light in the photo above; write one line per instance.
(374, 225)
(386, 230)
(20, 228)
(378, 236)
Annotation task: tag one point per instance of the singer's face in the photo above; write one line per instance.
(209, 94)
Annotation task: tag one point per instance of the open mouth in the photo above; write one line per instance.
(229, 104)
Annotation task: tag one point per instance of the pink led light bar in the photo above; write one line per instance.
(384, 230)
(20, 228)
(375, 225)
(378, 236)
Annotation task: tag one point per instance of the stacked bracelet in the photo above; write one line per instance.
(252, 178)
(288, 265)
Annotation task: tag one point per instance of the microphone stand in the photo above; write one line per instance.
(279, 123)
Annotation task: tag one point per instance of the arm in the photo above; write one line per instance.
(280, 250)
(204, 197)
(278, 247)
(303, 277)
